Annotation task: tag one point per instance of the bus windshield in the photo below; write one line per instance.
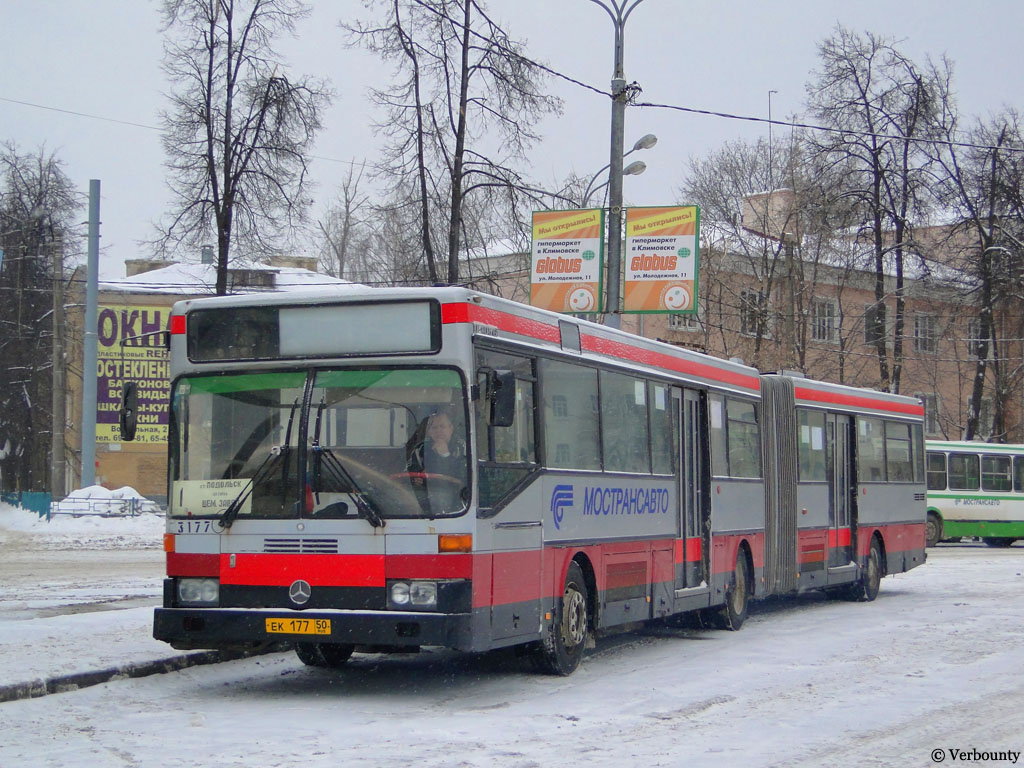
(375, 443)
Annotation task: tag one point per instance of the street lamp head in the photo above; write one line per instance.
(635, 168)
(645, 142)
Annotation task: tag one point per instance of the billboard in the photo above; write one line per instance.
(568, 259)
(142, 360)
(660, 259)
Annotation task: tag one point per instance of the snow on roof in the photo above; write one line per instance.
(201, 279)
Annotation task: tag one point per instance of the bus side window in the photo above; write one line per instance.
(963, 472)
(811, 446)
(624, 425)
(506, 454)
(936, 471)
(897, 452)
(1018, 473)
(871, 449)
(662, 440)
(719, 453)
(570, 416)
(744, 439)
(996, 473)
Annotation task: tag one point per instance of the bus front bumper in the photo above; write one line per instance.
(228, 628)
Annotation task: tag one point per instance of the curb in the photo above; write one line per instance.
(73, 682)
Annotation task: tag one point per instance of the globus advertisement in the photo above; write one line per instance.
(660, 259)
(568, 257)
(142, 360)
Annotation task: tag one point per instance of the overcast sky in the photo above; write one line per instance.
(102, 58)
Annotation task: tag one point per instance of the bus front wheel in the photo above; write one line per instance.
(329, 655)
(561, 649)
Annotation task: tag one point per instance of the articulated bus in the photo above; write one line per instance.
(380, 470)
(975, 490)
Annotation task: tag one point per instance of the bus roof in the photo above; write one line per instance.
(974, 445)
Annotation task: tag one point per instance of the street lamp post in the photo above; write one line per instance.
(619, 13)
(635, 168)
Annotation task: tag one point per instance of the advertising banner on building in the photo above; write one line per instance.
(568, 259)
(142, 360)
(660, 259)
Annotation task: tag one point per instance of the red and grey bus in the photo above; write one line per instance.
(380, 470)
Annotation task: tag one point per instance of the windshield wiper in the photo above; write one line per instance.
(262, 471)
(337, 472)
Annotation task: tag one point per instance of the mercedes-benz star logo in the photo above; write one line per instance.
(299, 592)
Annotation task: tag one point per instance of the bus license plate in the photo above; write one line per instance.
(299, 626)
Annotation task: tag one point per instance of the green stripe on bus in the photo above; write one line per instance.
(986, 529)
(981, 497)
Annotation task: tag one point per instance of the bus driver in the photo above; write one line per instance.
(435, 455)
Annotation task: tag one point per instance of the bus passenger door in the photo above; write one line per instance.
(693, 485)
(840, 430)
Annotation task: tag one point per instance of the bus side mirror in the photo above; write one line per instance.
(502, 386)
(128, 417)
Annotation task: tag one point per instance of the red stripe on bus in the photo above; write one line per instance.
(509, 584)
(661, 360)
(471, 313)
(688, 551)
(858, 401)
(905, 537)
(429, 566)
(840, 538)
(191, 564)
(281, 570)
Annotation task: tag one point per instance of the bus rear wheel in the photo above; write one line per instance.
(561, 649)
(866, 589)
(734, 612)
(998, 542)
(932, 530)
(328, 655)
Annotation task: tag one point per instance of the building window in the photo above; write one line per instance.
(974, 337)
(874, 323)
(986, 418)
(925, 333)
(931, 413)
(250, 278)
(681, 322)
(560, 406)
(753, 313)
(823, 320)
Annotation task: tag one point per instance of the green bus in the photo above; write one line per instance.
(975, 490)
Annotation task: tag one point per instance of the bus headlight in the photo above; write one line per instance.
(413, 595)
(198, 591)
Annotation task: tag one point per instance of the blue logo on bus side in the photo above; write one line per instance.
(561, 498)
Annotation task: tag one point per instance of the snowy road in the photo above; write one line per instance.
(934, 663)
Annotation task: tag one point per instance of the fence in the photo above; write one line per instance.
(37, 501)
(101, 507)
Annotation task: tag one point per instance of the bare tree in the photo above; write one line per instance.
(238, 131)
(38, 209)
(982, 182)
(459, 115)
(343, 227)
(879, 104)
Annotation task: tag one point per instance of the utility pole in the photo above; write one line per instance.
(619, 13)
(90, 351)
(59, 420)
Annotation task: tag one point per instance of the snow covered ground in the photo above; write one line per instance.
(933, 664)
